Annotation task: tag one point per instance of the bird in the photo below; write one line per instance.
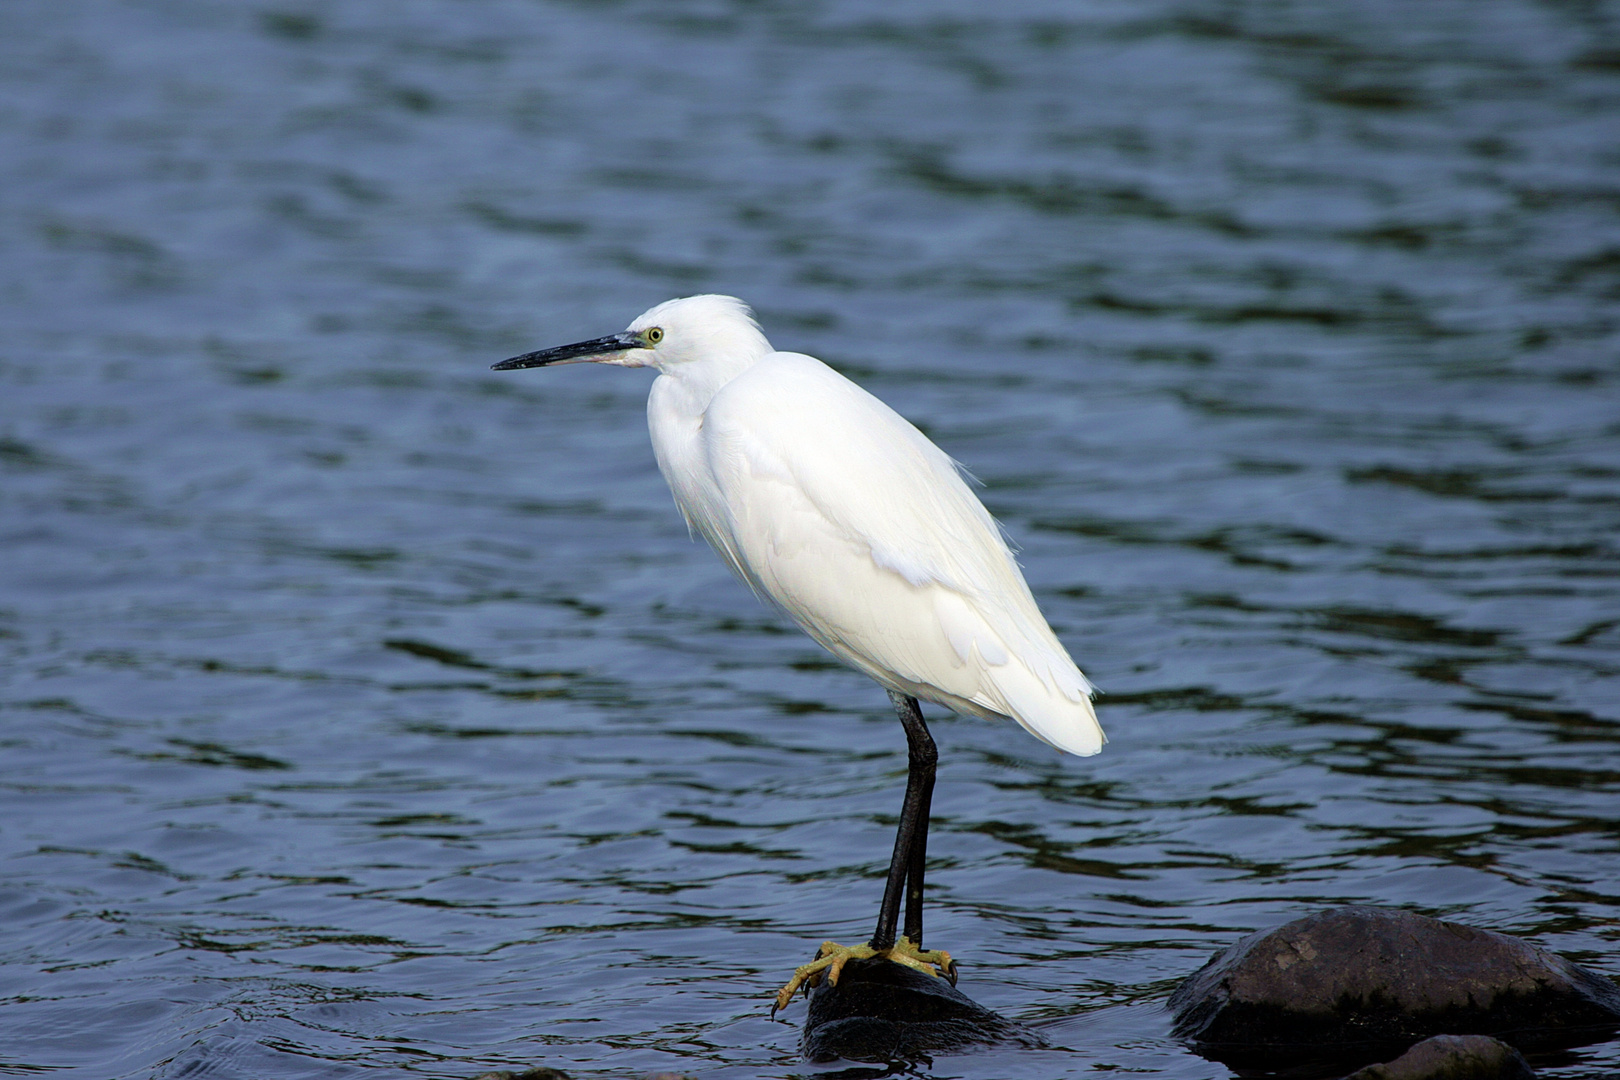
(836, 511)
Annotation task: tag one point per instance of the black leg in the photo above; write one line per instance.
(911, 839)
(923, 759)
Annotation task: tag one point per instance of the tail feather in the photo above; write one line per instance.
(1047, 713)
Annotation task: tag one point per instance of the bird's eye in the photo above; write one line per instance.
(654, 336)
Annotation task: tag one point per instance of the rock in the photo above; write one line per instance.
(1357, 984)
(1452, 1057)
(886, 1012)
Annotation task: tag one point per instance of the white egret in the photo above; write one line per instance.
(835, 510)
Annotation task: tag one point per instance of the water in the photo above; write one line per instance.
(365, 711)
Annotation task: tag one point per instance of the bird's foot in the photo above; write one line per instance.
(828, 964)
(831, 958)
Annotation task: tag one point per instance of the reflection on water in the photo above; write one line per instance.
(365, 709)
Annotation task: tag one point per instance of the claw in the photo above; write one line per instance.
(831, 957)
(935, 962)
(829, 963)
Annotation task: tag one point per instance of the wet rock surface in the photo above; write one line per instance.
(885, 1012)
(1358, 984)
(1452, 1057)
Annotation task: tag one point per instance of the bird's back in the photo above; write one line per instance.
(834, 508)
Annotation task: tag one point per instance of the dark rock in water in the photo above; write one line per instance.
(1356, 984)
(883, 1011)
(1452, 1057)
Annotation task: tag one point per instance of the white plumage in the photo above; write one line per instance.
(834, 509)
(837, 511)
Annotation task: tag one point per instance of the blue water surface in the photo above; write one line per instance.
(363, 711)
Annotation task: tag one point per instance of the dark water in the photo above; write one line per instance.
(368, 712)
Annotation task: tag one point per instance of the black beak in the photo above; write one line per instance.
(581, 352)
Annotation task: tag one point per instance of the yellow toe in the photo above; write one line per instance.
(831, 957)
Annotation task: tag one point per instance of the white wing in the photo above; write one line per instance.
(834, 508)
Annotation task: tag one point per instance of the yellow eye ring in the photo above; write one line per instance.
(654, 336)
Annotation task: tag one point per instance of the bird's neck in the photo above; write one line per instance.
(694, 385)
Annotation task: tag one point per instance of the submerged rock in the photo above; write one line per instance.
(886, 1012)
(1357, 984)
(1452, 1057)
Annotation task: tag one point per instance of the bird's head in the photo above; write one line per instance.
(675, 333)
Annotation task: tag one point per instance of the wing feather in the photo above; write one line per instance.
(843, 514)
